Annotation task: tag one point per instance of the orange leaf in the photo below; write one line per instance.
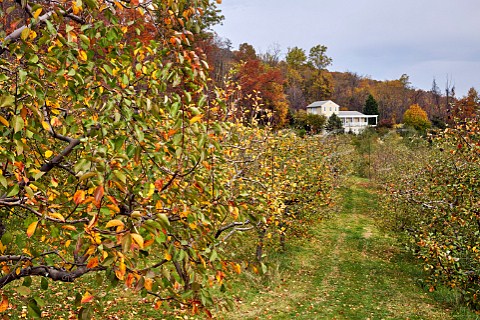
(92, 263)
(87, 297)
(4, 303)
(129, 280)
(92, 222)
(237, 268)
(69, 227)
(148, 284)
(98, 195)
(4, 121)
(159, 184)
(167, 256)
(31, 229)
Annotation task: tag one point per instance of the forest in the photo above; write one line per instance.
(148, 168)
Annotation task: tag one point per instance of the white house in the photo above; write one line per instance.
(353, 121)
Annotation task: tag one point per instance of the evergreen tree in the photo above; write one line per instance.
(334, 124)
(370, 108)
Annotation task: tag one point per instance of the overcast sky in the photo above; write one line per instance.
(382, 39)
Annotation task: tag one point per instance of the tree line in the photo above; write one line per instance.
(302, 77)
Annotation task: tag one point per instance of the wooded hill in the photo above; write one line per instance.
(303, 77)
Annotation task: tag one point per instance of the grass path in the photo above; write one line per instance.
(347, 269)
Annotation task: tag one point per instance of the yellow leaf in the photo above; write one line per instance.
(114, 223)
(82, 55)
(151, 190)
(25, 33)
(45, 125)
(69, 227)
(87, 297)
(67, 243)
(31, 229)
(32, 34)
(48, 153)
(138, 239)
(37, 12)
(196, 118)
(4, 303)
(4, 121)
(57, 215)
(79, 197)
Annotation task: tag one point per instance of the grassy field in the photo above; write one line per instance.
(344, 268)
(347, 269)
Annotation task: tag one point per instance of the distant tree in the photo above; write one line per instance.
(246, 52)
(296, 57)
(318, 57)
(272, 56)
(467, 107)
(311, 123)
(320, 86)
(259, 80)
(370, 108)
(334, 124)
(416, 118)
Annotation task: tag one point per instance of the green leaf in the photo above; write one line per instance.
(27, 281)
(44, 283)
(7, 238)
(14, 191)
(18, 123)
(33, 309)
(120, 176)
(139, 133)
(3, 181)
(7, 100)
(40, 301)
(24, 291)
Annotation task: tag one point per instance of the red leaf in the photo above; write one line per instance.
(98, 195)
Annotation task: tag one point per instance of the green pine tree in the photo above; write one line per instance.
(370, 108)
(334, 124)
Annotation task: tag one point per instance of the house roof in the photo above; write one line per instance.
(317, 104)
(354, 114)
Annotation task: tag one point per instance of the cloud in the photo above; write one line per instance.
(376, 37)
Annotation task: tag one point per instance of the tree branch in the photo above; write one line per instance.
(54, 273)
(229, 226)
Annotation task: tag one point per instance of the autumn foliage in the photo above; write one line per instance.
(416, 118)
(118, 158)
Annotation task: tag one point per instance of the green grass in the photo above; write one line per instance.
(345, 269)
